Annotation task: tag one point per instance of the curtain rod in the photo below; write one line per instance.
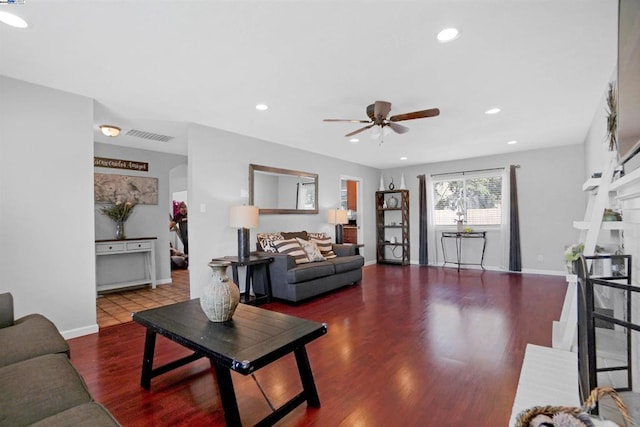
(469, 171)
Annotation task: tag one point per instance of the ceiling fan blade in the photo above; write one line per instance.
(415, 115)
(347, 120)
(381, 108)
(398, 128)
(360, 130)
(370, 111)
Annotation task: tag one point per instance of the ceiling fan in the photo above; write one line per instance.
(378, 113)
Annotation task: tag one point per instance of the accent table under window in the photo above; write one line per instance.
(460, 237)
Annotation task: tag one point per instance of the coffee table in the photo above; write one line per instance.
(254, 338)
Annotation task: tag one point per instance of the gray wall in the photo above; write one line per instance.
(146, 220)
(550, 199)
(47, 256)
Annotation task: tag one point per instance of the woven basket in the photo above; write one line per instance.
(526, 416)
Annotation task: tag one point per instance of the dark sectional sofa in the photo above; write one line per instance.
(38, 384)
(297, 282)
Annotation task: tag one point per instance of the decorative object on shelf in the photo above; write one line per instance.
(118, 212)
(220, 296)
(611, 215)
(612, 117)
(467, 230)
(403, 185)
(243, 218)
(460, 226)
(572, 416)
(338, 217)
(381, 183)
(393, 202)
(392, 186)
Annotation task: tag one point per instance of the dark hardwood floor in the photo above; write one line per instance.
(410, 346)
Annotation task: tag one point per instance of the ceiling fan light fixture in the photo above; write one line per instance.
(494, 110)
(376, 132)
(110, 130)
(448, 34)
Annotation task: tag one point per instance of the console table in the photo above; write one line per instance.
(459, 237)
(128, 247)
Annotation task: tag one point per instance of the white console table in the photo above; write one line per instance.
(127, 247)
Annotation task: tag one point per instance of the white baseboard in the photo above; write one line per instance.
(164, 281)
(79, 332)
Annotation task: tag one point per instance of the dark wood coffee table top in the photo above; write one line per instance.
(254, 337)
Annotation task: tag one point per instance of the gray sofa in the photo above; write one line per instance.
(297, 282)
(38, 384)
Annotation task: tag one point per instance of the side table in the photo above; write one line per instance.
(459, 236)
(260, 262)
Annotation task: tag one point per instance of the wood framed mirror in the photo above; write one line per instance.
(283, 191)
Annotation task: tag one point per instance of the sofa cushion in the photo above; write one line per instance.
(6, 310)
(347, 263)
(30, 336)
(266, 241)
(310, 271)
(88, 414)
(292, 247)
(311, 249)
(37, 388)
(295, 235)
(326, 247)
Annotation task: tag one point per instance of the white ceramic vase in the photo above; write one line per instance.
(220, 296)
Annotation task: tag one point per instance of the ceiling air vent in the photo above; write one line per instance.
(149, 135)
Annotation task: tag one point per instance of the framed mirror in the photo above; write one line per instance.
(283, 191)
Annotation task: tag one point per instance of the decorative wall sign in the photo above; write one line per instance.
(104, 162)
(140, 190)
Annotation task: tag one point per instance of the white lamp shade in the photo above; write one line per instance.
(243, 216)
(337, 216)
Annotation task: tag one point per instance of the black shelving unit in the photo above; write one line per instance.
(392, 227)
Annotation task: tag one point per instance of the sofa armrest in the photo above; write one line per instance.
(6, 310)
(277, 269)
(344, 250)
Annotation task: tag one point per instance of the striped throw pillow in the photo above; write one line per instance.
(293, 248)
(266, 241)
(325, 246)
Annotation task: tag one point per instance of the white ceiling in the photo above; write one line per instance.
(158, 65)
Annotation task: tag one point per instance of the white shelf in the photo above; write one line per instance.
(606, 225)
(591, 184)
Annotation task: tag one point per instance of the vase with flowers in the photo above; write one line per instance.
(118, 212)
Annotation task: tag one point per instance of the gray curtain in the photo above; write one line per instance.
(422, 195)
(515, 261)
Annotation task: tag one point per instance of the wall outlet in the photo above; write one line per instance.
(540, 258)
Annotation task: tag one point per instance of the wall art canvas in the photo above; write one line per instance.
(140, 190)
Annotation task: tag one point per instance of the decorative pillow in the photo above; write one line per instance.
(325, 246)
(317, 235)
(295, 235)
(313, 252)
(267, 240)
(293, 248)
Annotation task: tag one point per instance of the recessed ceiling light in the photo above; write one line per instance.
(262, 107)
(13, 20)
(403, 158)
(492, 111)
(448, 34)
(512, 142)
(109, 130)
(354, 140)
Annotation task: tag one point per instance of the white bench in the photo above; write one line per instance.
(548, 377)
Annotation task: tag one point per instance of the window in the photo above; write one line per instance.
(475, 199)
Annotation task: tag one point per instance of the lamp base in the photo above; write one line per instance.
(243, 244)
(339, 234)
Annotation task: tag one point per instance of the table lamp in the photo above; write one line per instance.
(243, 218)
(338, 217)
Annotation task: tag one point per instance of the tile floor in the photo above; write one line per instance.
(116, 307)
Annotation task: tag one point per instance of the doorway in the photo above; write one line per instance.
(351, 201)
